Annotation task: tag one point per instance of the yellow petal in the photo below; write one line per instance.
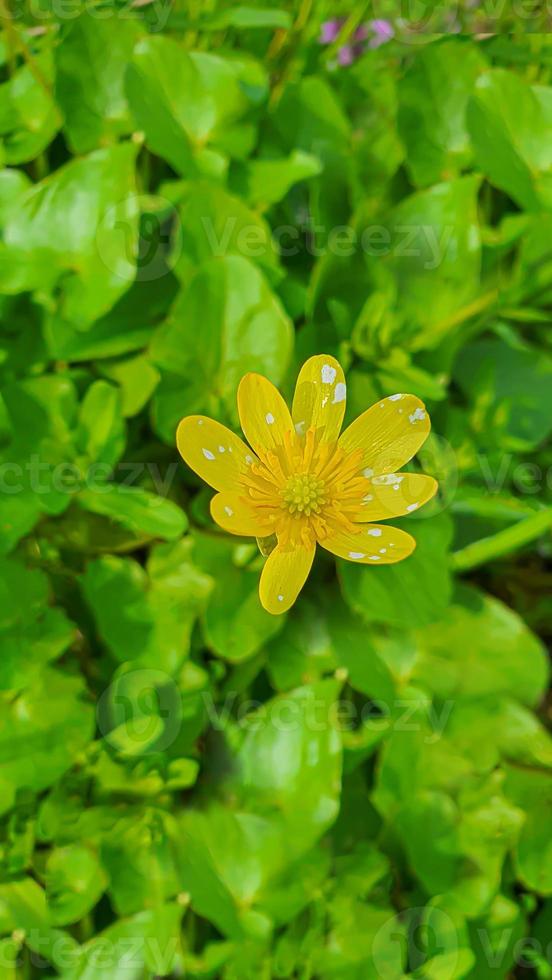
(234, 514)
(389, 433)
(283, 577)
(374, 544)
(319, 399)
(392, 495)
(264, 415)
(213, 451)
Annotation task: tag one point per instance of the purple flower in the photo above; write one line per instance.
(382, 30)
(330, 29)
(346, 55)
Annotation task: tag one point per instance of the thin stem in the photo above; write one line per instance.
(503, 543)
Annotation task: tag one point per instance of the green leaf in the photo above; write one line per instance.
(366, 670)
(74, 883)
(136, 855)
(293, 766)
(434, 249)
(243, 328)
(479, 646)
(23, 905)
(32, 633)
(215, 224)
(90, 72)
(129, 326)
(29, 118)
(149, 941)
(183, 100)
(137, 379)
(235, 624)
(432, 112)
(20, 512)
(411, 593)
(42, 733)
(532, 791)
(250, 18)
(135, 508)
(265, 182)
(509, 123)
(147, 617)
(101, 433)
(283, 796)
(303, 650)
(13, 183)
(510, 392)
(82, 217)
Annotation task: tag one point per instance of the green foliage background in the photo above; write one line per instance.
(189, 786)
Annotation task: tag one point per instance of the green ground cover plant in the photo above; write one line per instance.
(189, 786)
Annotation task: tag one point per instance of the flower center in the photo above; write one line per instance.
(304, 494)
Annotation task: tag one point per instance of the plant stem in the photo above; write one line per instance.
(503, 543)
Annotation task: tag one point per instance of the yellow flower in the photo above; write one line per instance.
(303, 482)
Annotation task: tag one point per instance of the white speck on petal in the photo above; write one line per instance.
(374, 557)
(221, 449)
(388, 480)
(396, 486)
(249, 460)
(357, 554)
(413, 506)
(368, 498)
(328, 374)
(280, 598)
(200, 421)
(417, 416)
(374, 532)
(367, 473)
(340, 392)
(394, 398)
(299, 427)
(269, 418)
(208, 454)
(229, 511)
(382, 551)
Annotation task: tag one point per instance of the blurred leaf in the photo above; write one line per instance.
(510, 392)
(90, 70)
(434, 249)
(74, 883)
(101, 432)
(42, 733)
(137, 379)
(29, 118)
(434, 94)
(31, 632)
(479, 646)
(147, 617)
(509, 123)
(216, 224)
(244, 328)
(138, 509)
(235, 624)
(266, 181)
(412, 593)
(81, 223)
(184, 99)
(532, 791)
(23, 904)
